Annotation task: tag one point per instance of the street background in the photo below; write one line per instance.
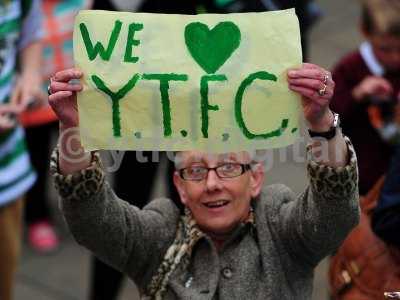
(65, 274)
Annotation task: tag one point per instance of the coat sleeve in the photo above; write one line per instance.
(131, 240)
(315, 223)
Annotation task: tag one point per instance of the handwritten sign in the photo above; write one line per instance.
(176, 82)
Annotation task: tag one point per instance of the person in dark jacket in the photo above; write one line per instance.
(386, 217)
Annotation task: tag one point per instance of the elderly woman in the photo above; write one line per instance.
(236, 239)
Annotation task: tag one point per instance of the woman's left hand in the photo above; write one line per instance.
(316, 87)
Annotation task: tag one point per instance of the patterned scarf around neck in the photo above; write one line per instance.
(179, 252)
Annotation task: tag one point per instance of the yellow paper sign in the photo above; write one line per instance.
(177, 82)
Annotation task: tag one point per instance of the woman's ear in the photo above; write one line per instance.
(179, 184)
(257, 179)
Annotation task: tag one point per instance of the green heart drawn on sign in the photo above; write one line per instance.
(212, 48)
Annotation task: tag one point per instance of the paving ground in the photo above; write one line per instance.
(64, 275)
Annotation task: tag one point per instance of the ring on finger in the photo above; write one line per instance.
(326, 78)
(322, 91)
(49, 90)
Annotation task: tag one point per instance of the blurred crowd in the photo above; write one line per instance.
(36, 42)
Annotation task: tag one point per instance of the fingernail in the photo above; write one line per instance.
(74, 81)
(292, 73)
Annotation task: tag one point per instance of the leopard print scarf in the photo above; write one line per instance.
(179, 252)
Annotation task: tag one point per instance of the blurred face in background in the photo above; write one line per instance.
(217, 204)
(386, 48)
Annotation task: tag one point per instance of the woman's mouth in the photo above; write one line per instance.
(216, 204)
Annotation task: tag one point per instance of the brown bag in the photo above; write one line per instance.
(365, 267)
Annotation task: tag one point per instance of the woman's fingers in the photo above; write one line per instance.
(313, 94)
(56, 86)
(62, 96)
(311, 73)
(59, 96)
(67, 75)
(307, 83)
(316, 87)
(311, 81)
(311, 66)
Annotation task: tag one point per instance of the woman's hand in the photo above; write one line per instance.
(316, 87)
(72, 156)
(62, 97)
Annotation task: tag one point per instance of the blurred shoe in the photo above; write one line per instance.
(42, 237)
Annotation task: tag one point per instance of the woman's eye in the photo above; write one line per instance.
(196, 170)
(227, 167)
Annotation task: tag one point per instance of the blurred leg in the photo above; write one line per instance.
(10, 246)
(106, 282)
(41, 234)
(38, 142)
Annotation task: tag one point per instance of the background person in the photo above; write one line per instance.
(367, 81)
(17, 89)
(41, 123)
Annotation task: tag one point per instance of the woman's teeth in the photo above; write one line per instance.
(216, 203)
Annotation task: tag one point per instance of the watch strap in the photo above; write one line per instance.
(331, 133)
(328, 135)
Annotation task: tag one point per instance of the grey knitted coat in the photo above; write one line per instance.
(274, 258)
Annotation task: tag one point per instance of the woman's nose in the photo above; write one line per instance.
(213, 182)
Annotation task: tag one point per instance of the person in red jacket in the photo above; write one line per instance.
(367, 89)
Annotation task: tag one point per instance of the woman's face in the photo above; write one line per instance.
(218, 204)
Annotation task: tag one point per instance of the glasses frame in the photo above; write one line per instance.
(245, 168)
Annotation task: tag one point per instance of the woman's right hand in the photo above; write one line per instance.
(72, 156)
(63, 96)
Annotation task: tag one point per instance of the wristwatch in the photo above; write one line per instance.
(331, 133)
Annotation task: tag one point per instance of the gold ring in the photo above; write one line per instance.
(322, 91)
